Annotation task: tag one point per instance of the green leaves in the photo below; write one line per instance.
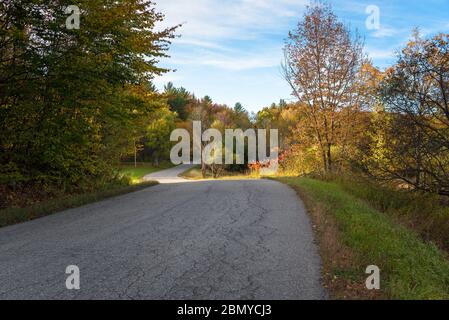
(68, 98)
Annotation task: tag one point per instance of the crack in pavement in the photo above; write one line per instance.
(247, 239)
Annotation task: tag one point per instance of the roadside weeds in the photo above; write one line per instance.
(352, 235)
(17, 215)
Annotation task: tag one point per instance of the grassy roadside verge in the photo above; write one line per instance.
(136, 174)
(128, 172)
(353, 235)
(18, 215)
(427, 214)
(195, 174)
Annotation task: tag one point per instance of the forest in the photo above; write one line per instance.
(75, 103)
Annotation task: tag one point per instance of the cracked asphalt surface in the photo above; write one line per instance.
(248, 239)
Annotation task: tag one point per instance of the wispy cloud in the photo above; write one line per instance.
(381, 53)
(168, 77)
(229, 19)
(230, 62)
(211, 28)
(232, 49)
(385, 32)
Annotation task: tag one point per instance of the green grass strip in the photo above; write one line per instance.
(18, 215)
(411, 269)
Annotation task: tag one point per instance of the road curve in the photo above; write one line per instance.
(170, 175)
(247, 239)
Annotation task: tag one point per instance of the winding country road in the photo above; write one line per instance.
(248, 239)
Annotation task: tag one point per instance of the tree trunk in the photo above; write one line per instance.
(323, 153)
(329, 158)
(135, 155)
(203, 169)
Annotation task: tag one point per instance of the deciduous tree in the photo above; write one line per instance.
(322, 65)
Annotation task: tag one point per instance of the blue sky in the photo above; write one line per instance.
(231, 50)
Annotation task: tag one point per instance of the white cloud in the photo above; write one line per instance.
(228, 59)
(228, 19)
(384, 32)
(225, 43)
(381, 54)
(242, 64)
(201, 44)
(210, 29)
(235, 64)
(167, 77)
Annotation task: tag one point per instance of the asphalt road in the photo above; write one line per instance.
(192, 240)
